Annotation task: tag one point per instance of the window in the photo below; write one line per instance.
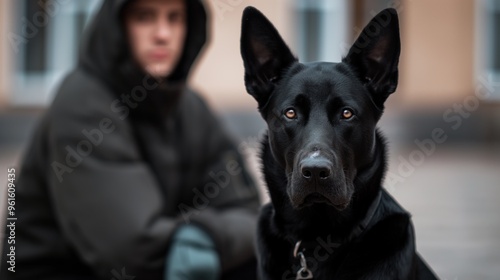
(33, 61)
(495, 40)
(44, 41)
(487, 46)
(323, 29)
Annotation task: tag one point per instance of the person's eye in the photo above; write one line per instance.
(176, 17)
(143, 16)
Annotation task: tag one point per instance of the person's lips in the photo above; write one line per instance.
(159, 55)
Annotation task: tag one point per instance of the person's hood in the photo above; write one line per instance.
(104, 51)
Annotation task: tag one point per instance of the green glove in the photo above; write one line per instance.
(192, 256)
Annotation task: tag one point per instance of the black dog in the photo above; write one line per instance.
(324, 160)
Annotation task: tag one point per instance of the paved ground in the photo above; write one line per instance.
(454, 197)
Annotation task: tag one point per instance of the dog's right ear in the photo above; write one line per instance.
(265, 55)
(375, 55)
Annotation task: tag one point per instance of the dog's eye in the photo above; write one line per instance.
(347, 114)
(290, 113)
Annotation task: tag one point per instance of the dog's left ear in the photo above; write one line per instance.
(265, 54)
(375, 55)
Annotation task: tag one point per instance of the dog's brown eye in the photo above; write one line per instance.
(347, 114)
(290, 113)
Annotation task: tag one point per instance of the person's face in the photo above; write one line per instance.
(156, 30)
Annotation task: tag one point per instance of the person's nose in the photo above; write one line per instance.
(163, 31)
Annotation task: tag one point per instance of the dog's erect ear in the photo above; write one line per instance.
(375, 54)
(265, 54)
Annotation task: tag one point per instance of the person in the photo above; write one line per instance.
(129, 174)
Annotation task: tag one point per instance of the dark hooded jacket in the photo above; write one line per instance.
(119, 161)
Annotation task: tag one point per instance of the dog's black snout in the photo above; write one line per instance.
(313, 169)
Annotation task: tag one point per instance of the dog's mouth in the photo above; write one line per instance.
(317, 198)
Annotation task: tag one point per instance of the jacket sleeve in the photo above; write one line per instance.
(106, 199)
(228, 201)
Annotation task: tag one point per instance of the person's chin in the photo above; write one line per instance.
(158, 70)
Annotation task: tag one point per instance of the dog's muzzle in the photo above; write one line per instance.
(316, 179)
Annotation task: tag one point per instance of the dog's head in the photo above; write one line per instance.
(321, 116)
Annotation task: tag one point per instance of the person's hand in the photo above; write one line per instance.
(192, 256)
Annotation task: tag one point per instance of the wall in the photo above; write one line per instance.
(437, 59)
(219, 73)
(4, 52)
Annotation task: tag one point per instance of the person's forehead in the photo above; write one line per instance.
(158, 3)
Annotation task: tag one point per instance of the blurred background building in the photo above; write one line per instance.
(449, 86)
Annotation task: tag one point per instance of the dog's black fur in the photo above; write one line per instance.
(324, 160)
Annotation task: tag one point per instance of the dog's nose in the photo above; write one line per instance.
(314, 169)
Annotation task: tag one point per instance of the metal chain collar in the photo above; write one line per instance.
(303, 272)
